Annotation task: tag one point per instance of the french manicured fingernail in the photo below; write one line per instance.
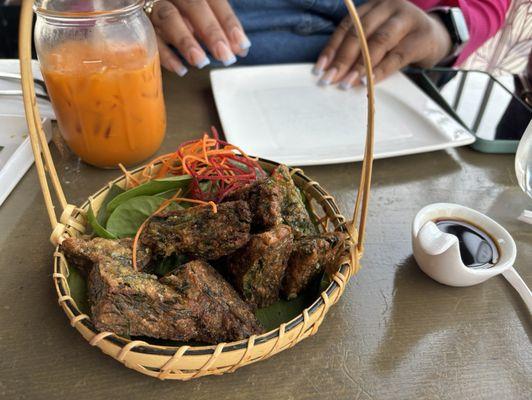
(198, 58)
(349, 81)
(319, 66)
(328, 77)
(243, 53)
(224, 54)
(182, 71)
(178, 68)
(240, 37)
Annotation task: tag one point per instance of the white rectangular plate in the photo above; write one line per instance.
(280, 113)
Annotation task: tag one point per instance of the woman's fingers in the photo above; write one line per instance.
(169, 60)
(207, 28)
(376, 16)
(329, 52)
(238, 40)
(384, 39)
(343, 30)
(183, 23)
(343, 60)
(348, 52)
(406, 52)
(399, 33)
(169, 23)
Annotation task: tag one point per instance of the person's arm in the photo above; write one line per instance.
(483, 17)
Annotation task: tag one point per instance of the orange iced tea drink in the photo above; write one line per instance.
(108, 102)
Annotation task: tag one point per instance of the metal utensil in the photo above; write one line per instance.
(17, 77)
(15, 92)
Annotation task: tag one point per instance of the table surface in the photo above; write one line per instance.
(395, 333)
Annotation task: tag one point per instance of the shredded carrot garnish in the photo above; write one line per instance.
(221, 167)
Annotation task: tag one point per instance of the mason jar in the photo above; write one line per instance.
(101, 66)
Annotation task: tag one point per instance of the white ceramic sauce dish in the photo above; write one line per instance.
(438, 253)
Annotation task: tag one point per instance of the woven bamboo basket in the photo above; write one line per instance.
(187, 362)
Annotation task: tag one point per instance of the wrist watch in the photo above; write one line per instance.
(455, 23)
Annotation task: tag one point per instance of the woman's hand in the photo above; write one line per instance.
(184, 24)
(399, 33)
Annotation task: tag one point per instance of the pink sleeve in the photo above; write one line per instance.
(484, 18)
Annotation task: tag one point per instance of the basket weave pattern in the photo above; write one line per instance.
(188, 362)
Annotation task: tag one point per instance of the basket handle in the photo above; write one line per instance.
(44, 162)
(362, 200)
(39, 145)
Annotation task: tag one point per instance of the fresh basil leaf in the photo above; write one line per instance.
(127, 218)
(103, 215)
(166, 195)
(98, 229)
(78, 290)
(282, 311)
(150, 188)
(173, 206)
(285, 310)
(325, 282)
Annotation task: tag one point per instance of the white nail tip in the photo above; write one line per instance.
(244, 53)
(345, 85)
(317, 71)
(230, 61)
(203, 63)
(245, 44)
(181, 71)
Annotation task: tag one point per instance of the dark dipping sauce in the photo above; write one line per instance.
(477, 248)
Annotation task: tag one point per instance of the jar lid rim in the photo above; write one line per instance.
(41, 10)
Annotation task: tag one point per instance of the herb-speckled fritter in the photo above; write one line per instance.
(222, 315)
(199, 232)
(276, 200)
(83, 253)
(258, 268)
(310, 257)
(194, 304)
